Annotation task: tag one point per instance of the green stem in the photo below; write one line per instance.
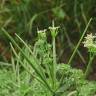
(89, 66)
(74, 52)
(71, 45)
(54, 64)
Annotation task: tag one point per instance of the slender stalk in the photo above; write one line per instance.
(54, 32)
(74, 52)
(72, 46)
(89, 66)
(54, 64)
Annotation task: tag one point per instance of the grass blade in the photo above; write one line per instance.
(36, 70)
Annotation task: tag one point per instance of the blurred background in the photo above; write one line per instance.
(25, 16)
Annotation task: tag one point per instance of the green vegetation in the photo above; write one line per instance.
(31, 59)
(36, 71)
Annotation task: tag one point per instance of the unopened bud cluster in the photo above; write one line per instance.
(53, 30)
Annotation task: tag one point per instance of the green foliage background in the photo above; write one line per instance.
(25, 17)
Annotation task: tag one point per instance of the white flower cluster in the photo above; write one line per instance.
(89, 41)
